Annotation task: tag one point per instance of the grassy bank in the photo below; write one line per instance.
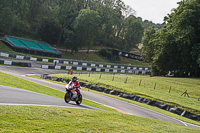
(155, 88)
(95, 57)
(4, 48)
(80, 56)
(53, 119)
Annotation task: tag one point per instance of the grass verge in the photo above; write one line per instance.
(54, 119)
(9, 65)
(5, 48)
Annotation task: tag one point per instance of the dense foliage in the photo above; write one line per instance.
(176, 46)
(73, 24)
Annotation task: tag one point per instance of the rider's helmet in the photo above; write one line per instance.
(74, 79)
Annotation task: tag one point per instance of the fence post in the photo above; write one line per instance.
(170, 89)
(140, 82)
(155, 86)
(126, 80)
(113, 77)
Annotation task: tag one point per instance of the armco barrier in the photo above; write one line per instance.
(12, 63)
(95, 69)
(77, 63)
(131, 97)
(24, 64)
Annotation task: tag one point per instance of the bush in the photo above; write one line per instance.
(106, 53)
(156, 72)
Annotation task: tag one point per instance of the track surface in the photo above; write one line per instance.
(107, 101)
(11, 95)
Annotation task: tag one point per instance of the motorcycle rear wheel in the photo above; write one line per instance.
(67, 97)
(79, 100)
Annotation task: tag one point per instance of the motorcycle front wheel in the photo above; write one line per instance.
(79, 101)
(67, 97)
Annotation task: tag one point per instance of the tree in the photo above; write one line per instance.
(165, 49)
(196, 58)
(184, 23)
(66, 16)
(148, 44)
(6, 17)
(86, 26)
(70, 40)
(134, 32)
(177, 42)
(49, 31)
(111, 22)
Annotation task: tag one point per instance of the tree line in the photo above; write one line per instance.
(175, 47)
(73, 24)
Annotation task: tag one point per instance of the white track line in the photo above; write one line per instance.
(37, 105)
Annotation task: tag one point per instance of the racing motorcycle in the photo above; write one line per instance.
(72, 95)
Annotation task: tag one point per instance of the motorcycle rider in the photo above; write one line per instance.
(76, 83)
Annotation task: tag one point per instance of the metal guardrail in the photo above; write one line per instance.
(95, 69)
(12, 63)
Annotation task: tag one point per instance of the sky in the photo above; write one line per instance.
(152, 10)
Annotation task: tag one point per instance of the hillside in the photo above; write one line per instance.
(92, 56)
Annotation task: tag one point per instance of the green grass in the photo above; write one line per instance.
(95, 57)
(146, 88)
(4, 48)
(9, 65)
(54, 119)
(133, 102)
(12, 81)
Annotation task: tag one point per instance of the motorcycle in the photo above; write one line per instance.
(72, 95)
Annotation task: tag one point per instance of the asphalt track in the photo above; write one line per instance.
(15, 96)
(119, 105)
